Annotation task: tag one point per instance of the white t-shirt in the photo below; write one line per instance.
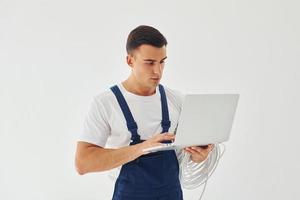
(105, 124)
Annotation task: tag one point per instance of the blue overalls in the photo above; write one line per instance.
(153, 176)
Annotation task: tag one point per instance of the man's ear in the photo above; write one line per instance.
(129, 59)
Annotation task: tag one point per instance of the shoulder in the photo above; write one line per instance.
(104, 96)
(174, 93)
(175, 96)
(101, 102)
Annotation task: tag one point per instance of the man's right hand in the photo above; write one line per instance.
(154, 141)
(92, 158)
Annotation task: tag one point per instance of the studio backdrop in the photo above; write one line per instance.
(55, 56)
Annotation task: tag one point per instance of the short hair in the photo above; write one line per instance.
(144, 35)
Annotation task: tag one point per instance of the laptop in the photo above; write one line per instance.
(204, 119)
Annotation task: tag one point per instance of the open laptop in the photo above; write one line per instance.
(204, 119)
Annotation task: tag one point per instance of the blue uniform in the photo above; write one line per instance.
(153, 176)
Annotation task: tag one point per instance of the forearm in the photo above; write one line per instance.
(95, 159)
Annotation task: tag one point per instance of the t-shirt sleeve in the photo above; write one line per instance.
(181, 98)
(96, 129)
(178, 97)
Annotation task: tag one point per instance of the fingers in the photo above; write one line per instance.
(208, 148)
(164, 137)
(190, 150)
(196, 149)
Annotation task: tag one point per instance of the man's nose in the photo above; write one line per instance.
(158, 68)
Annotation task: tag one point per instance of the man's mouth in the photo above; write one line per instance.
(155, 79)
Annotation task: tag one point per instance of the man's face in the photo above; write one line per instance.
(147, 63)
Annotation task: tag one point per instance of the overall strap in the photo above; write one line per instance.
(165, 123)
(131, 124)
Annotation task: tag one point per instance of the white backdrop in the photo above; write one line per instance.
(56, 55)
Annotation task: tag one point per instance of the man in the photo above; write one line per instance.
(133, 115)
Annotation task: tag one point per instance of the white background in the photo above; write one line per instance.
(56, 55)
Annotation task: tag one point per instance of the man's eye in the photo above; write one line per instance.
(150, 63)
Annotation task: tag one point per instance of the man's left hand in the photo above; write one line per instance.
(199, 154)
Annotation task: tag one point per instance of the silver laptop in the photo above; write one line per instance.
(204, 119)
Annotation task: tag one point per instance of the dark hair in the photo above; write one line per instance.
(144, 35)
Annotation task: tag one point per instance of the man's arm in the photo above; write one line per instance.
(92, 158)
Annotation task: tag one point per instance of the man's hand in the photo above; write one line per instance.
(92, 158)
(199, 154)
(155, 141)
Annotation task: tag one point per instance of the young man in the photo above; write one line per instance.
(131, 116)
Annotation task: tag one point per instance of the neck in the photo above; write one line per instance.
(135, 87)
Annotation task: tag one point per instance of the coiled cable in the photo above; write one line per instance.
(191, 174)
